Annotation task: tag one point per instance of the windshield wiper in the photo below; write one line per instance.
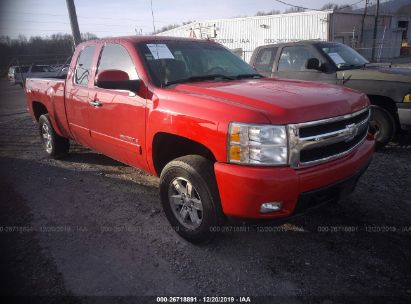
(200, 78)
(242, 76)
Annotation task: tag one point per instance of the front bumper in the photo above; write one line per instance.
(404, 114)
(243, 188)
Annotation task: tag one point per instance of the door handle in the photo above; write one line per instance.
(95, 103)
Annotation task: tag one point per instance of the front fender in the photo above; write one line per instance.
(375, 83)
(198, 119)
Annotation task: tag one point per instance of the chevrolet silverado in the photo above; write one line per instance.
(225, 141)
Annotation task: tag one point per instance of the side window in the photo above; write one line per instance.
(84, 65)
(265, 59)
(116, 57)
(294, 58)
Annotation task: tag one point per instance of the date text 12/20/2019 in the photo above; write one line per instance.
(214, 299)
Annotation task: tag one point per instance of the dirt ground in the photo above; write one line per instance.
(90, 226)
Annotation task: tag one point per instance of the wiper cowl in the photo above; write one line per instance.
(200, 78)
(242, 76)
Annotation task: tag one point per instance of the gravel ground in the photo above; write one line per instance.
(90, 226)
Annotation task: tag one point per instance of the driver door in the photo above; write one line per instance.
(117, 117)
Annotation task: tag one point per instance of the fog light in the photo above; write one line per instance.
(270, 207)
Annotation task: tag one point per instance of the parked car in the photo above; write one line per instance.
(10, 74)
(225, 141)
(35, 70)
(389, 89)
(17, 70)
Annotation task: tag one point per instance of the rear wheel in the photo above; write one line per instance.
(54, 145)
(190, 197)
(382, 125)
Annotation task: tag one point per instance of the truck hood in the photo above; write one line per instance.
(377, 74)
(282, 101)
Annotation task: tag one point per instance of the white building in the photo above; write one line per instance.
(244, 34)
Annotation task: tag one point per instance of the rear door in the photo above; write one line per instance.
(117, 120)
(77, 95)
(291, 64)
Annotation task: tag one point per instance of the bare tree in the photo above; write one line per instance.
(170, 27)
(333, 6)
(88, 36)
(272, 12)
(294, 10)
(36, 49)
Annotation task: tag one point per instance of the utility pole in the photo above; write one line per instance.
(362, 22)
(73, 21)
(374, 38)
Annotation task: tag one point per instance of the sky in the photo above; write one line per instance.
(127, 17)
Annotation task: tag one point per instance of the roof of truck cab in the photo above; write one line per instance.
(302, 42)
(137, 39)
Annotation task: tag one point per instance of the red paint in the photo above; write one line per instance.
(243, 189)
(200, 112)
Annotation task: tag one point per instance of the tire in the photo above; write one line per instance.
(54, 145)
(202, 206)
(382, 125)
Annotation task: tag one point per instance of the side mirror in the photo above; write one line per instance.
(312, 64)
(116, 80)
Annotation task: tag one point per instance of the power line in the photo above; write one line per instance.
(352, 4)
(58, 22)
(64, 15)
(315, 9)
(68, 30)
(80, 17)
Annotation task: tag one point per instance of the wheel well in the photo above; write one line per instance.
(39, 109)
(167, 147)
(385, 103)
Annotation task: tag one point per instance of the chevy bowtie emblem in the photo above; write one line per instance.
(351, 132)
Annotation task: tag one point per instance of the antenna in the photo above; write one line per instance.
(152, 16)
(154, 26)
(155, 36)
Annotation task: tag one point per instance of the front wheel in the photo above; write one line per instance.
(190, 197)
(54, 145)
(382, 125)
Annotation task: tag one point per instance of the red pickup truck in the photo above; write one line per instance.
(225, 141)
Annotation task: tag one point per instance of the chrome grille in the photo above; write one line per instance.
(323, 140)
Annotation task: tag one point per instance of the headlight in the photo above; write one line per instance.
(407, 98)
(264, 145)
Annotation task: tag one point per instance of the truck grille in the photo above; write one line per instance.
(323, 140)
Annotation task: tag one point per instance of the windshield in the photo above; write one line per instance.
(343, 56)
(171, 62)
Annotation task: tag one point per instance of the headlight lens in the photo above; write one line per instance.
(407, 98)
(257, 144)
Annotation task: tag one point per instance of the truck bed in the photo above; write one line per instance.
(48, 92)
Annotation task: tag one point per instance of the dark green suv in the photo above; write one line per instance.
(389, 89)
